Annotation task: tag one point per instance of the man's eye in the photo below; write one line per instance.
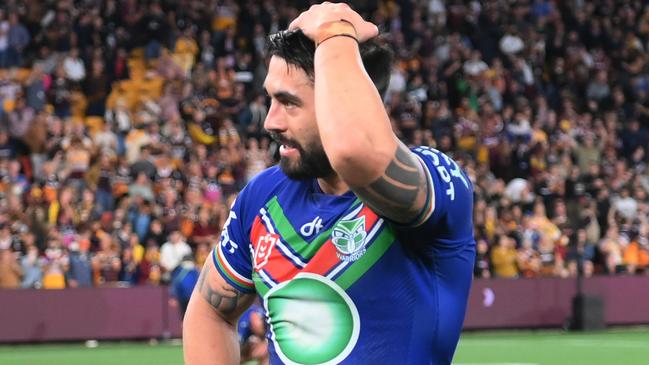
(289, 104)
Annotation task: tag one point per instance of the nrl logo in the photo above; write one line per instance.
(264, 248)
(349, 238)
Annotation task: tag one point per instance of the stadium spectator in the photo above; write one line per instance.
(503, 258)
(205, 230)
(18, 38)
(106, 263)
(79, 273)
(172, 252)
(482, 265)
(31, 268)
(10, 270)
(73, 66)
(4, 39)
(128, 272)
(183, 280)
(528, 260)
(148, 271)
(55, 265)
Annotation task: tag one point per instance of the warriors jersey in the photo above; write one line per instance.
(342, 285)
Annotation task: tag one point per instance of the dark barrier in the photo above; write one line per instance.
(73, 314)
(143, 312)
(500, 303)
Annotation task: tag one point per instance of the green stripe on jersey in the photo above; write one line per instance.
(373, 254)
(260, 285)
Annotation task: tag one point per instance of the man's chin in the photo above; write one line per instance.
(294, 170)
(306, 166)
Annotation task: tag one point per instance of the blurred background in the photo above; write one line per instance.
(127, 127)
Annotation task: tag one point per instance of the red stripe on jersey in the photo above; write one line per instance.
(323, 260)
(267, 255)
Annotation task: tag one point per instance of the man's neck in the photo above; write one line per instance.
(333, 185)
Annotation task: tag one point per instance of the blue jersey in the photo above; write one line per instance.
(183, 280)
(341, 285)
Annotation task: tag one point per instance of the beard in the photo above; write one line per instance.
(312, 163)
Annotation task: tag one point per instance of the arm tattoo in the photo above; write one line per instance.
(225, 299)
(400, 193)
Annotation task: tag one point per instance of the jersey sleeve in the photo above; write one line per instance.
(447, 217)
(447, 184)
(232, 253)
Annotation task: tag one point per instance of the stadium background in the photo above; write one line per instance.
(126, 128)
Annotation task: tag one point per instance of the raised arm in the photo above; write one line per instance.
(209, 327)
(352, 121)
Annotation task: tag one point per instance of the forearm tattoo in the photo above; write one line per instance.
(398, 194)
(225, 299)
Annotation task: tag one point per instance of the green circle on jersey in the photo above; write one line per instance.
(312, 320)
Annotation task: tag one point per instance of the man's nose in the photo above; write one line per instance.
(275, 119)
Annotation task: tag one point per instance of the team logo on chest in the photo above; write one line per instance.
(349, 238)
(264, 248)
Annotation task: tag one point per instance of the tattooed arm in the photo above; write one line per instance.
(354, 127)
(358, 138)
(209, 326)
(402, 192)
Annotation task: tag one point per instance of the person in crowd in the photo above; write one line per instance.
(183, 280)
(10, 271)
(172, 252)
(79, 274)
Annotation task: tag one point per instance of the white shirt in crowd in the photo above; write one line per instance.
(628, 207)
(475, 67)
(511, 44)
(171, 254)
(4, 35)
(74, 68)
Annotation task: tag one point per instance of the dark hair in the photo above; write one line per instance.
(298, 50)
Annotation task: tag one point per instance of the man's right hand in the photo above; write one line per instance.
(317, 15)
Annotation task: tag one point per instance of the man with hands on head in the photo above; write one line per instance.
(360, 249)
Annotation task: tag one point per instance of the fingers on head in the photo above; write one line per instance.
(295, 23)
(374, 29)
(343, 5)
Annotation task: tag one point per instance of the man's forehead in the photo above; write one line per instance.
(285, 76)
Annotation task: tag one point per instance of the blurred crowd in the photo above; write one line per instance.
(127, 127)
